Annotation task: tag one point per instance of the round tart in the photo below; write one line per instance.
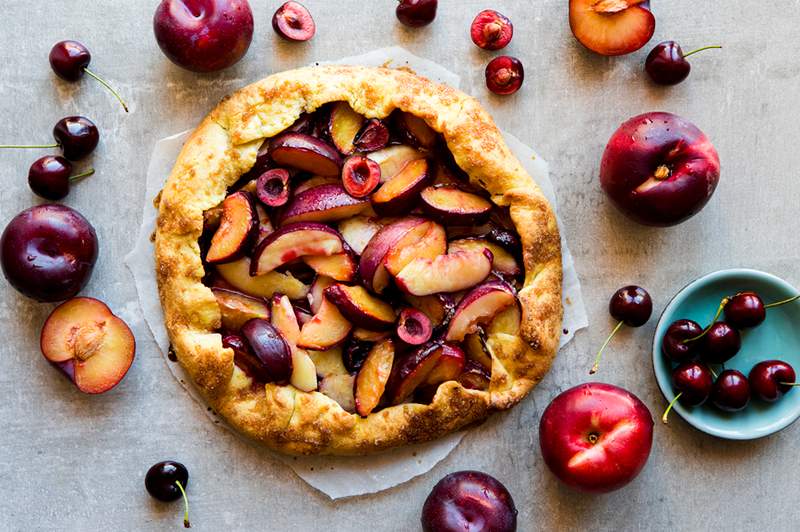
(350, 259)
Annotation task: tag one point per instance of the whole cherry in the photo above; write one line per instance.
(720, 343)
(631, 306)
(416, 13)
(674, 346)
(166, 481)
(692, 382)
(746, 309)
(504, 75)
(77, 136)
(70, 61)
(666, 64)
(50, 177)
(731, 391)
(771, 379)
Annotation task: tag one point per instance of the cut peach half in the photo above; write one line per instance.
(611, 27)
(454, 206)
(237, 308)
(343, 126)
(393, 158)
(479, 307)
(417, 245)
(92, 346)
(371, 265)
(304, 152)
(446, 273)
(502, 260)
(326, 329)
(398, 194)
(360, 307)
(323, 203)
(448, 367)
(292, 242)
(237, 275)
(237, 229)
(372, 377)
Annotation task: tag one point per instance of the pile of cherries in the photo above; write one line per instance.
(696, 349)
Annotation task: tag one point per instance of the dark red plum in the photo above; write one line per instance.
(659, 169)
(271, 351)
(469, 500)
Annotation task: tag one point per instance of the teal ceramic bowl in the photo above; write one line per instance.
(777, 338)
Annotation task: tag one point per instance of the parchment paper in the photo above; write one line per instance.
(339, 477)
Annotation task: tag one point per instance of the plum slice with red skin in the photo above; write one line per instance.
(374, 135)
(237, 308)
(491, 30)
(415, 130)
(304, 152)
(370, 266)
(236, 274)
(328, 328)
(358, 231)
(478, 307)
(317, 291)
(438, 307)
(292, 242)
(293, 22)
(414, 327)
(343, 126)
(85, 340)
(399, 193)
(340, 388)
(446, 273)
(360, 176)
(272, 187)
(393, 158)
(323, 203)
(426, 241)
(373, 376)
(270, 349)
(284, 319)
(237, 229)
(475, 376)
(454, 206)
(360, 307)
(611, 27)
(448, 367)
(314, 181)
(412, 369)
(341, 267)
(502, 260)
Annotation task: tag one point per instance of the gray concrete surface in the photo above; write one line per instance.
(73, 462)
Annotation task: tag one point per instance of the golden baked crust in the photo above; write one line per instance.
(224, 146)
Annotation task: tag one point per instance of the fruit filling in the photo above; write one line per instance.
(355, 259)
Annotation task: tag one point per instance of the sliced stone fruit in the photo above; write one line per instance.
(314, 181)
(237, 229)
(475, 376)
(317, 292)
(371, 265)
(393, 158)
(304, 152)
(448, 367)
(88, 343)
(372, 377)
(479, 307)
(284, 318)
(292, 242)
(401, 192)
(417, 245)
(341, 266)
(326, 329)
(323, 203)
(343, 126)
(340, 388)
(264, 224)
(237, 308)
(272, 353)
(453, 206)
(446, 273)
(502, 260)
(475, 349)
(412, 370)
(374, 135)
(438, 307)
(360, 307)
(328, 362)
(365, 335)
(414, 327)
(358, 231)
(237, 275)
(506, 322)
(415, 130)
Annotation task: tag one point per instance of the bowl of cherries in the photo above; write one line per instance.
(726, 351)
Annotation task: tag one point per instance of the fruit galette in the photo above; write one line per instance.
(351, 259)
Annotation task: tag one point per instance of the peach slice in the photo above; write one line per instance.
(340, 388)
(413, 246)
(478, 307)
(304, 373)
(438, 307)
(371, 265)
(326, 329)
(237, 229)
(328, 362)
(446, 273)
(454, 206)
(506, 322)
(343, 126)
(502, 260)
(412, 370)
(360, 307)
(448, 367)
(293, 241)
(237, 308)
(341, 266)
(373, 376)
(306, 153)
(399, 193)
(323, 203)
(317, 292)
(237, 275)
(475, 349)
(85, 340)
(315, 181)
(365, 335)
(414, 327)
(392, 159)
(415, 130)
(273, 355)
(611, 27)
(475, 376)
(358, 231)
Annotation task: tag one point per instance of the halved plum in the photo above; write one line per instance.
(475, 376)
(373, 376)
(399, 193)
(360, 176)
(360, 307)
(612, 27)
(326, 329)
(304, 152)
(454, 206)
(237, 275)
(371, 265)
(393, 158)
(343, 126)
(304, 373)
(237, 308)
(358, 231)
(317, 292)
(374, 135)
(340, 388)
(448, 367)
(270, 349)
(237, 229)
(294, 241)
(414, 327)
(85, 340)
(412, 370)
(414, 246)
(478, 307)
(341, 267)
(446, 273)
(438, 307)
(502, 260)
(415, 130)
(272, 187)
(324, 203)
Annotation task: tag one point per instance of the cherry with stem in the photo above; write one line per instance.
(77, 136)
(186, 523)
(70, 61)
(631, 306)
(721, 307)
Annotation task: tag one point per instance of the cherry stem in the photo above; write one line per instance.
(109, 87)
(701, 49)
(669, 407)
(597, 358)
(186, 523)
(29, 146)
(782, 302)
(87, 173)
(789, 383)
(713, 321)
